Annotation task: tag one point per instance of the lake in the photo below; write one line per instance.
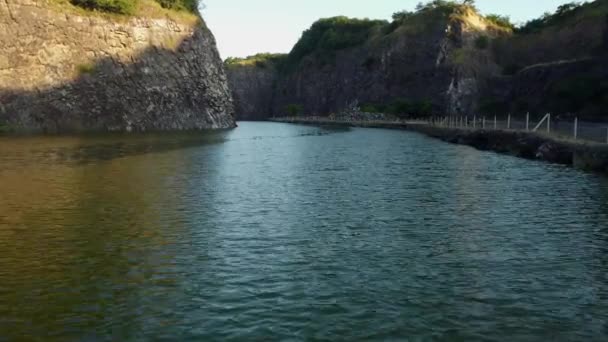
(274, 231)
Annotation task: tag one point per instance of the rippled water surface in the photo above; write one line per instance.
(274, 231)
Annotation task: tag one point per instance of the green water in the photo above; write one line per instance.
(274, 231)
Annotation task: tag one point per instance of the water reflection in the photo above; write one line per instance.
(282, 231)
(88, 247)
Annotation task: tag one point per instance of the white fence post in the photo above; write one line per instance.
(528, 121)
(495, 123)
(545, 118)
(474, 121)
(575, 128)
(483, 122)
(509, 121)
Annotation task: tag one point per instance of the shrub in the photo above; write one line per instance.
(371, 108)
(446, 7)
(4, 127)
(188, 5)
(294, 109)
(402, 108)
(112, 6)
(129, 6)
(405, 108)
(501, 21)
(85, 69)
(482, 42)
(399, 18)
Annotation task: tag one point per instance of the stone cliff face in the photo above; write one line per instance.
(560, 69)
(459, 64)
(376, 72)
(253, 89)
(426, 64)
(68, 70)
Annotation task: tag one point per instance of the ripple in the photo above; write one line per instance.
(275, 231)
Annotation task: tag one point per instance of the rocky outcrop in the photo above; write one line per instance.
(68, 70)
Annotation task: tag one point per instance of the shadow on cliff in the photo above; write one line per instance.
(160, 88)
(569, 88)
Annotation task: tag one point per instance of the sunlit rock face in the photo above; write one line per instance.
(68, 70)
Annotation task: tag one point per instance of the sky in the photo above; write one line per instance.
(247, 27)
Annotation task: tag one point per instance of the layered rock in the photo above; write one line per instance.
(63, 69)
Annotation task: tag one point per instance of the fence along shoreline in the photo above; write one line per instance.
(549, 142)
(568, 129)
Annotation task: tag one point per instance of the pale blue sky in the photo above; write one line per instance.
(246, 27)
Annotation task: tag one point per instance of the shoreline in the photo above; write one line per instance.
(586, 156)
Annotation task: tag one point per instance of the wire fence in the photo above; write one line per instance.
(572, 129)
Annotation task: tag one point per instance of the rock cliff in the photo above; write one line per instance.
(559, 68)
(442, 59)
(429, 62)
(253, 88)
(66, 69)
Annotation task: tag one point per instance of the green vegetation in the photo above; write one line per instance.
(111, 6)
(563, 13)
(402, 108)
(426, 14)
(261, 60)
(482, 42)
(185, 5)
(85, 69)
(328, 35)
(4, 128)
(129, 7)
(501, 21)
(294, 110)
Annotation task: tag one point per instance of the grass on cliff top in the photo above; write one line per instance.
(260, 60)
(122, 10)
